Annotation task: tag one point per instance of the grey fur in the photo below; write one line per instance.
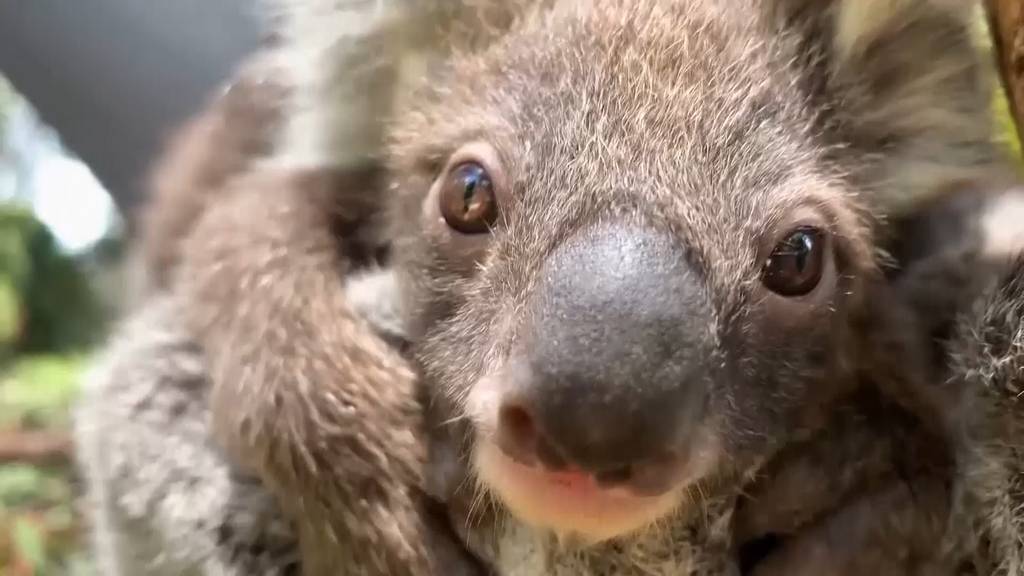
(165, 499)
(986, 351)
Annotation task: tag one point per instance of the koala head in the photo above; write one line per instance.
(634, 236)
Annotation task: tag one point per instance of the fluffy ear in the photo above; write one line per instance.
(343, 59)
(907, 83)
(350, 60)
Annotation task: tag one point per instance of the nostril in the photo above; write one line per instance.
(518, 422)
(517, 433)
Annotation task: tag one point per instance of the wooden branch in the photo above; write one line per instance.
(1006, 21)
(34, 447)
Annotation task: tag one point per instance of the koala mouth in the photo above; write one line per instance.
(569, 502)
(611, 490)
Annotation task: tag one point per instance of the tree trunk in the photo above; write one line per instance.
(1006, 20)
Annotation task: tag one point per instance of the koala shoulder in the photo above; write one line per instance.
(234, 129)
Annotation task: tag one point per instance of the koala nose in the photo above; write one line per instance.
(610, 376)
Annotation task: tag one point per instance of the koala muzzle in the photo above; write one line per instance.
(609, 375)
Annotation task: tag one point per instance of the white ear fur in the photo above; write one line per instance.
(344, 57)
(1001, 226)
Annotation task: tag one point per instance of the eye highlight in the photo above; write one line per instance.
(467, 198)
(796, 264)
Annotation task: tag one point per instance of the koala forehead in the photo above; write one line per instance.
(690, 114)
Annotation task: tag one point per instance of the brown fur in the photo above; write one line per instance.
(340, 449)
(236, 128)
(812, 101)
(210, 186)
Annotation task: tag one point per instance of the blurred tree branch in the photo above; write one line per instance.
(35, 447)
(1006, 21)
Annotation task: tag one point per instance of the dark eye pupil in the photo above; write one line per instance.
(796, 265)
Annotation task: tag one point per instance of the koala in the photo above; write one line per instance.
(724, 170)
(143, 427)
(965, 279)
(607, 231)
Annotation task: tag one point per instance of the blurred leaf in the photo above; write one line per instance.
(1006, 129)
(61, 311)
(40, 390)
(19, 484)
(30, 543)
(16, 223)
(10, 316)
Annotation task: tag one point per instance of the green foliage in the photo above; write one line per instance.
(16, 223)
(30, 543)
(57, 309)
(37, 391)
(19, 484)
(49, 312)
(10, 313)
(41, 532)
(1006, 129)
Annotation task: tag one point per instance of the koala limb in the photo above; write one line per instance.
(338, 440)
(164, 500)
(235, 129)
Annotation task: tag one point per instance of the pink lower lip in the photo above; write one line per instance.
(567, 501)
(573, 484)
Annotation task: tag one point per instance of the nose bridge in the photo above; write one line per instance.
(618, 253)
(618, 318)
(608, 279)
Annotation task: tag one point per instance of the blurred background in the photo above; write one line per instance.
(61, 244)
(88, 93)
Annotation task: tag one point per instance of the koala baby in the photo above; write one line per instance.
(702, 176)
(636, 243)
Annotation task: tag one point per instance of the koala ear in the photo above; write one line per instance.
(860, 25)
(909, 87)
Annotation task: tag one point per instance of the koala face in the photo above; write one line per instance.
(633, 249)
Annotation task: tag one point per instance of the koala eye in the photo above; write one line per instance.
(796, 264)
(467, 198)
